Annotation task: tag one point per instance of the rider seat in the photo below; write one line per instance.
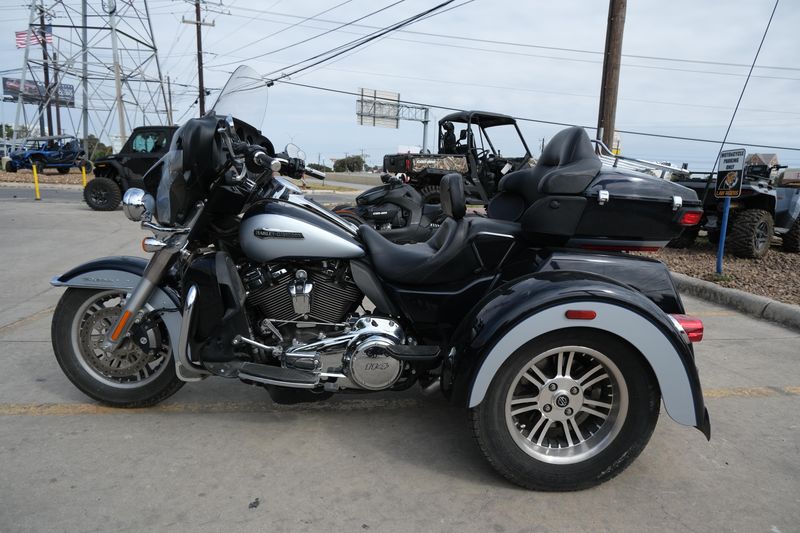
(449, 255)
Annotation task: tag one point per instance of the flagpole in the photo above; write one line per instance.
(31, 18)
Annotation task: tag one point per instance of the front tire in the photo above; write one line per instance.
(567, 411)
(140, 373)
(102, 194)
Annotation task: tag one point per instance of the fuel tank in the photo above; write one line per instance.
(275, 229)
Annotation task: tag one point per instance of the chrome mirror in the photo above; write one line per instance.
(137, 204)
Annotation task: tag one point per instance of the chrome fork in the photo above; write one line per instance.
(175, 240)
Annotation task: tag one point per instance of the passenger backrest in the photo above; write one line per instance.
(567, 166)
(453, 199)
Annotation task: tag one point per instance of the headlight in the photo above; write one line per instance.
(136, 204)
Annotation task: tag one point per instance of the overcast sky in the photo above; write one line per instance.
(448, 62)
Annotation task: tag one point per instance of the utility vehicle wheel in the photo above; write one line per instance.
(791, 239)
(139, 373)
(63, 170)
(102, 194)
(430, 194)
(567, 411)
(750, 234)
(685, 239)
(10, 167)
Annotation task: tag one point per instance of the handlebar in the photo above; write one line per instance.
(314, 173)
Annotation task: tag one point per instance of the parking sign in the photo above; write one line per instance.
(730, 173)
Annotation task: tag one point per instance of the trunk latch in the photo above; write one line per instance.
(603, 197)
(677, 203)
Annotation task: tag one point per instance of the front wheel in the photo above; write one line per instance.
(567, 411)
(751, 233)
(791, 239)
(139, 373)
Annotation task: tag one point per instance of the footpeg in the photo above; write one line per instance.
(413, 353)
(275, 375)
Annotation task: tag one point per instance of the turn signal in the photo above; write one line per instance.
(151, 245)
(692, 326)
(690, 218)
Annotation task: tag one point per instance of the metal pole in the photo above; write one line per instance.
(425, 121)
(46, 69)
(611, 68)
(158, 65)
(120, 106)
(56, 93)
(723, 230)
(85, 78)
(31, 18)
(202, 98)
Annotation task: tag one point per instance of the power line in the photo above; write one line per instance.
(312, 37)
(524, 45)
(548, 122)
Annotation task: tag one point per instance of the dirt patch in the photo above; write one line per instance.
(775, 276)
(47, 177)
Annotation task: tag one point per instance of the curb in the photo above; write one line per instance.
(751, 304)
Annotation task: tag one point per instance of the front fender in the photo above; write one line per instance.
(527, 308)
(125, 273)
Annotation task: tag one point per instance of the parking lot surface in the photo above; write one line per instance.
(219, 456)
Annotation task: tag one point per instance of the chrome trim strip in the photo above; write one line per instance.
(267, 381)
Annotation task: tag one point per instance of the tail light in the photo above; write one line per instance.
(408, 164)
(691, 326)
(690, 218)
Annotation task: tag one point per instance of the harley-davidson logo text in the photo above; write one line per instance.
(264, 233)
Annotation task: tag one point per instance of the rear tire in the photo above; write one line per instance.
(570, 449)
(102, 194)
(751, 234)
(10, 167)
(685, 239)
(128, 377)
(431, 194)
(791, 239)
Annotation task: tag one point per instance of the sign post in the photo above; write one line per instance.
(730, 175)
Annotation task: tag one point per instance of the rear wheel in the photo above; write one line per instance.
(567, 411)
(139, 373)
(791, 239)
(431, 194)
(751, 233)
(10, 167)
(102, 194)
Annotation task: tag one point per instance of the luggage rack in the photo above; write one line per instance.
(659, 170)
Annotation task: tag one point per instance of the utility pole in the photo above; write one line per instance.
(611, 67)
(169, 102)
(198, 22)
(45, 61)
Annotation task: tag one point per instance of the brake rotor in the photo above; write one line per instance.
(128, 359)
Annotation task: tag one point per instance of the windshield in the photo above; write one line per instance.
(244, 96)
(503, 141)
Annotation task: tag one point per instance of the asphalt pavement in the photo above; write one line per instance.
(219, 456)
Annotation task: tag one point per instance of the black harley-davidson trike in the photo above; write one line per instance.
(561, 356)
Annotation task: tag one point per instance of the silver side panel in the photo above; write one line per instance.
(644, 336)
(269, 237)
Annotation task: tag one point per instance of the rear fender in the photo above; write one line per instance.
(124, 272)
(525, 309)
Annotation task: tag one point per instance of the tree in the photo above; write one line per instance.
(96, 149)
(353, 163)
(321, 168)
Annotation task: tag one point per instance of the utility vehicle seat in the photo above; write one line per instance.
(567, 166)
(445, 256)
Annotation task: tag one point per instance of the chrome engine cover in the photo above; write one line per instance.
(360, 353)
(370, 367)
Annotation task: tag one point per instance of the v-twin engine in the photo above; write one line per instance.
(359, 356)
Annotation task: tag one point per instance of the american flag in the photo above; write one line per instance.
(24, 38)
